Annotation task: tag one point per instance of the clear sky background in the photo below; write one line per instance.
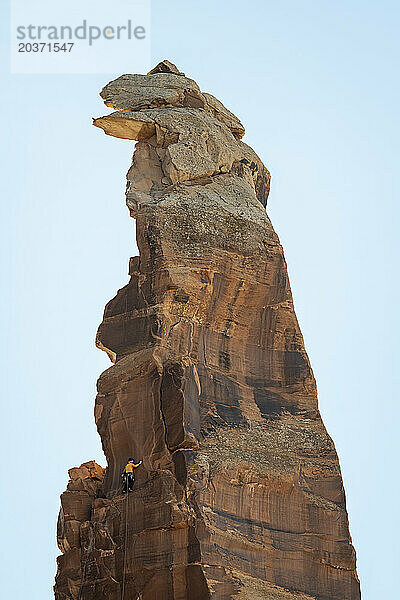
(316, 84)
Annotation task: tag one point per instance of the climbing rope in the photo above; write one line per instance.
(125, 544)
(88, 549)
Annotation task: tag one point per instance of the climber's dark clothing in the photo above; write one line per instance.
(129, 480)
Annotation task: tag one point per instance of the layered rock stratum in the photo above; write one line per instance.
(240, 495)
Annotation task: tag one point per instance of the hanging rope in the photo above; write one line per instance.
(88, 549)
(125, 543)
(90, 546)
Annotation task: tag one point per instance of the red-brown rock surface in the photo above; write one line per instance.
(240, 495)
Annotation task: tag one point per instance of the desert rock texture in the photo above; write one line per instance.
(240, 495)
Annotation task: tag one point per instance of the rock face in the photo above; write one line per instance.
(240, 495)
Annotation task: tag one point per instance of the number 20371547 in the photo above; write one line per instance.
(45, 47)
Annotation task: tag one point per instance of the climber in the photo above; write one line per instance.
(128, 474)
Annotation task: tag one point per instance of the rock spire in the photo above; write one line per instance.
(240, 495)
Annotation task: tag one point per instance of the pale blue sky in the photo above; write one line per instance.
(316, 84)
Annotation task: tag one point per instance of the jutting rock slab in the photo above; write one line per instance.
(240, 495)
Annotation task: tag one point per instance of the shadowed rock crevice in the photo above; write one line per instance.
(240, 495)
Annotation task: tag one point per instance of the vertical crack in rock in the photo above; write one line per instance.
(240, 495)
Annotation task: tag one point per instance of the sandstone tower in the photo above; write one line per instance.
(240, 495)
